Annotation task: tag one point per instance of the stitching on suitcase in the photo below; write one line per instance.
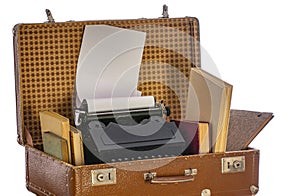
(68, 178)
(40, 188)
(254, 175)
(126, 21)
(78, 175)
(26, 164)
(18, 88)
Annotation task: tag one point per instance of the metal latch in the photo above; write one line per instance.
(104, 176)
(233, 164)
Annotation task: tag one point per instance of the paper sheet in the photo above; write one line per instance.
(109, 62)
(119, 103)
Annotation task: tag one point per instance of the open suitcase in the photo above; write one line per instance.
(45, 65)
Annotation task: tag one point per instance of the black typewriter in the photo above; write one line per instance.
(129, 134)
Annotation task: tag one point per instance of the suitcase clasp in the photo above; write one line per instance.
(104, 176)
(233, 164)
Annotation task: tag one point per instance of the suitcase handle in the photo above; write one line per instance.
(171, 179)
(187, 177)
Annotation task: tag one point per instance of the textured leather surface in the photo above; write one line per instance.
(244, 126)
(48, 176)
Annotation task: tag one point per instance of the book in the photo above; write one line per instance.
(196, 136)
(57, 124)
(209, 100)
(56, 146)
(204, 137)
(77, 152)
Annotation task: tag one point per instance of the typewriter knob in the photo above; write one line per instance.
(95, 124)
(168, 110)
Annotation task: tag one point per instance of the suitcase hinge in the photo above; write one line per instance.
(49, 16)
(165, 13)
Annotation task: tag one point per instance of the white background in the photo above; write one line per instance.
(254, 43)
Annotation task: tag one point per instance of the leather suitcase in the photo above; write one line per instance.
(45, 66)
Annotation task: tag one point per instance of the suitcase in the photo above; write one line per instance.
(45, 66)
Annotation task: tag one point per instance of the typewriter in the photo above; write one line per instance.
(127, 134)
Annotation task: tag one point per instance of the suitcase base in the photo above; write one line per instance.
(211, 174)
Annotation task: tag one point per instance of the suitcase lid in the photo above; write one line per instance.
(46, 58)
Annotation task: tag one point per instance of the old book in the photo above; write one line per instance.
(204, 137)
(77, 152)
(196, 136)
(209, 100)
(56, 146)
(56, 124)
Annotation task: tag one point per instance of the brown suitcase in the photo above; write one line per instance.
(45, 66)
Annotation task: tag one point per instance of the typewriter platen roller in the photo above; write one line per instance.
(129, 134)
